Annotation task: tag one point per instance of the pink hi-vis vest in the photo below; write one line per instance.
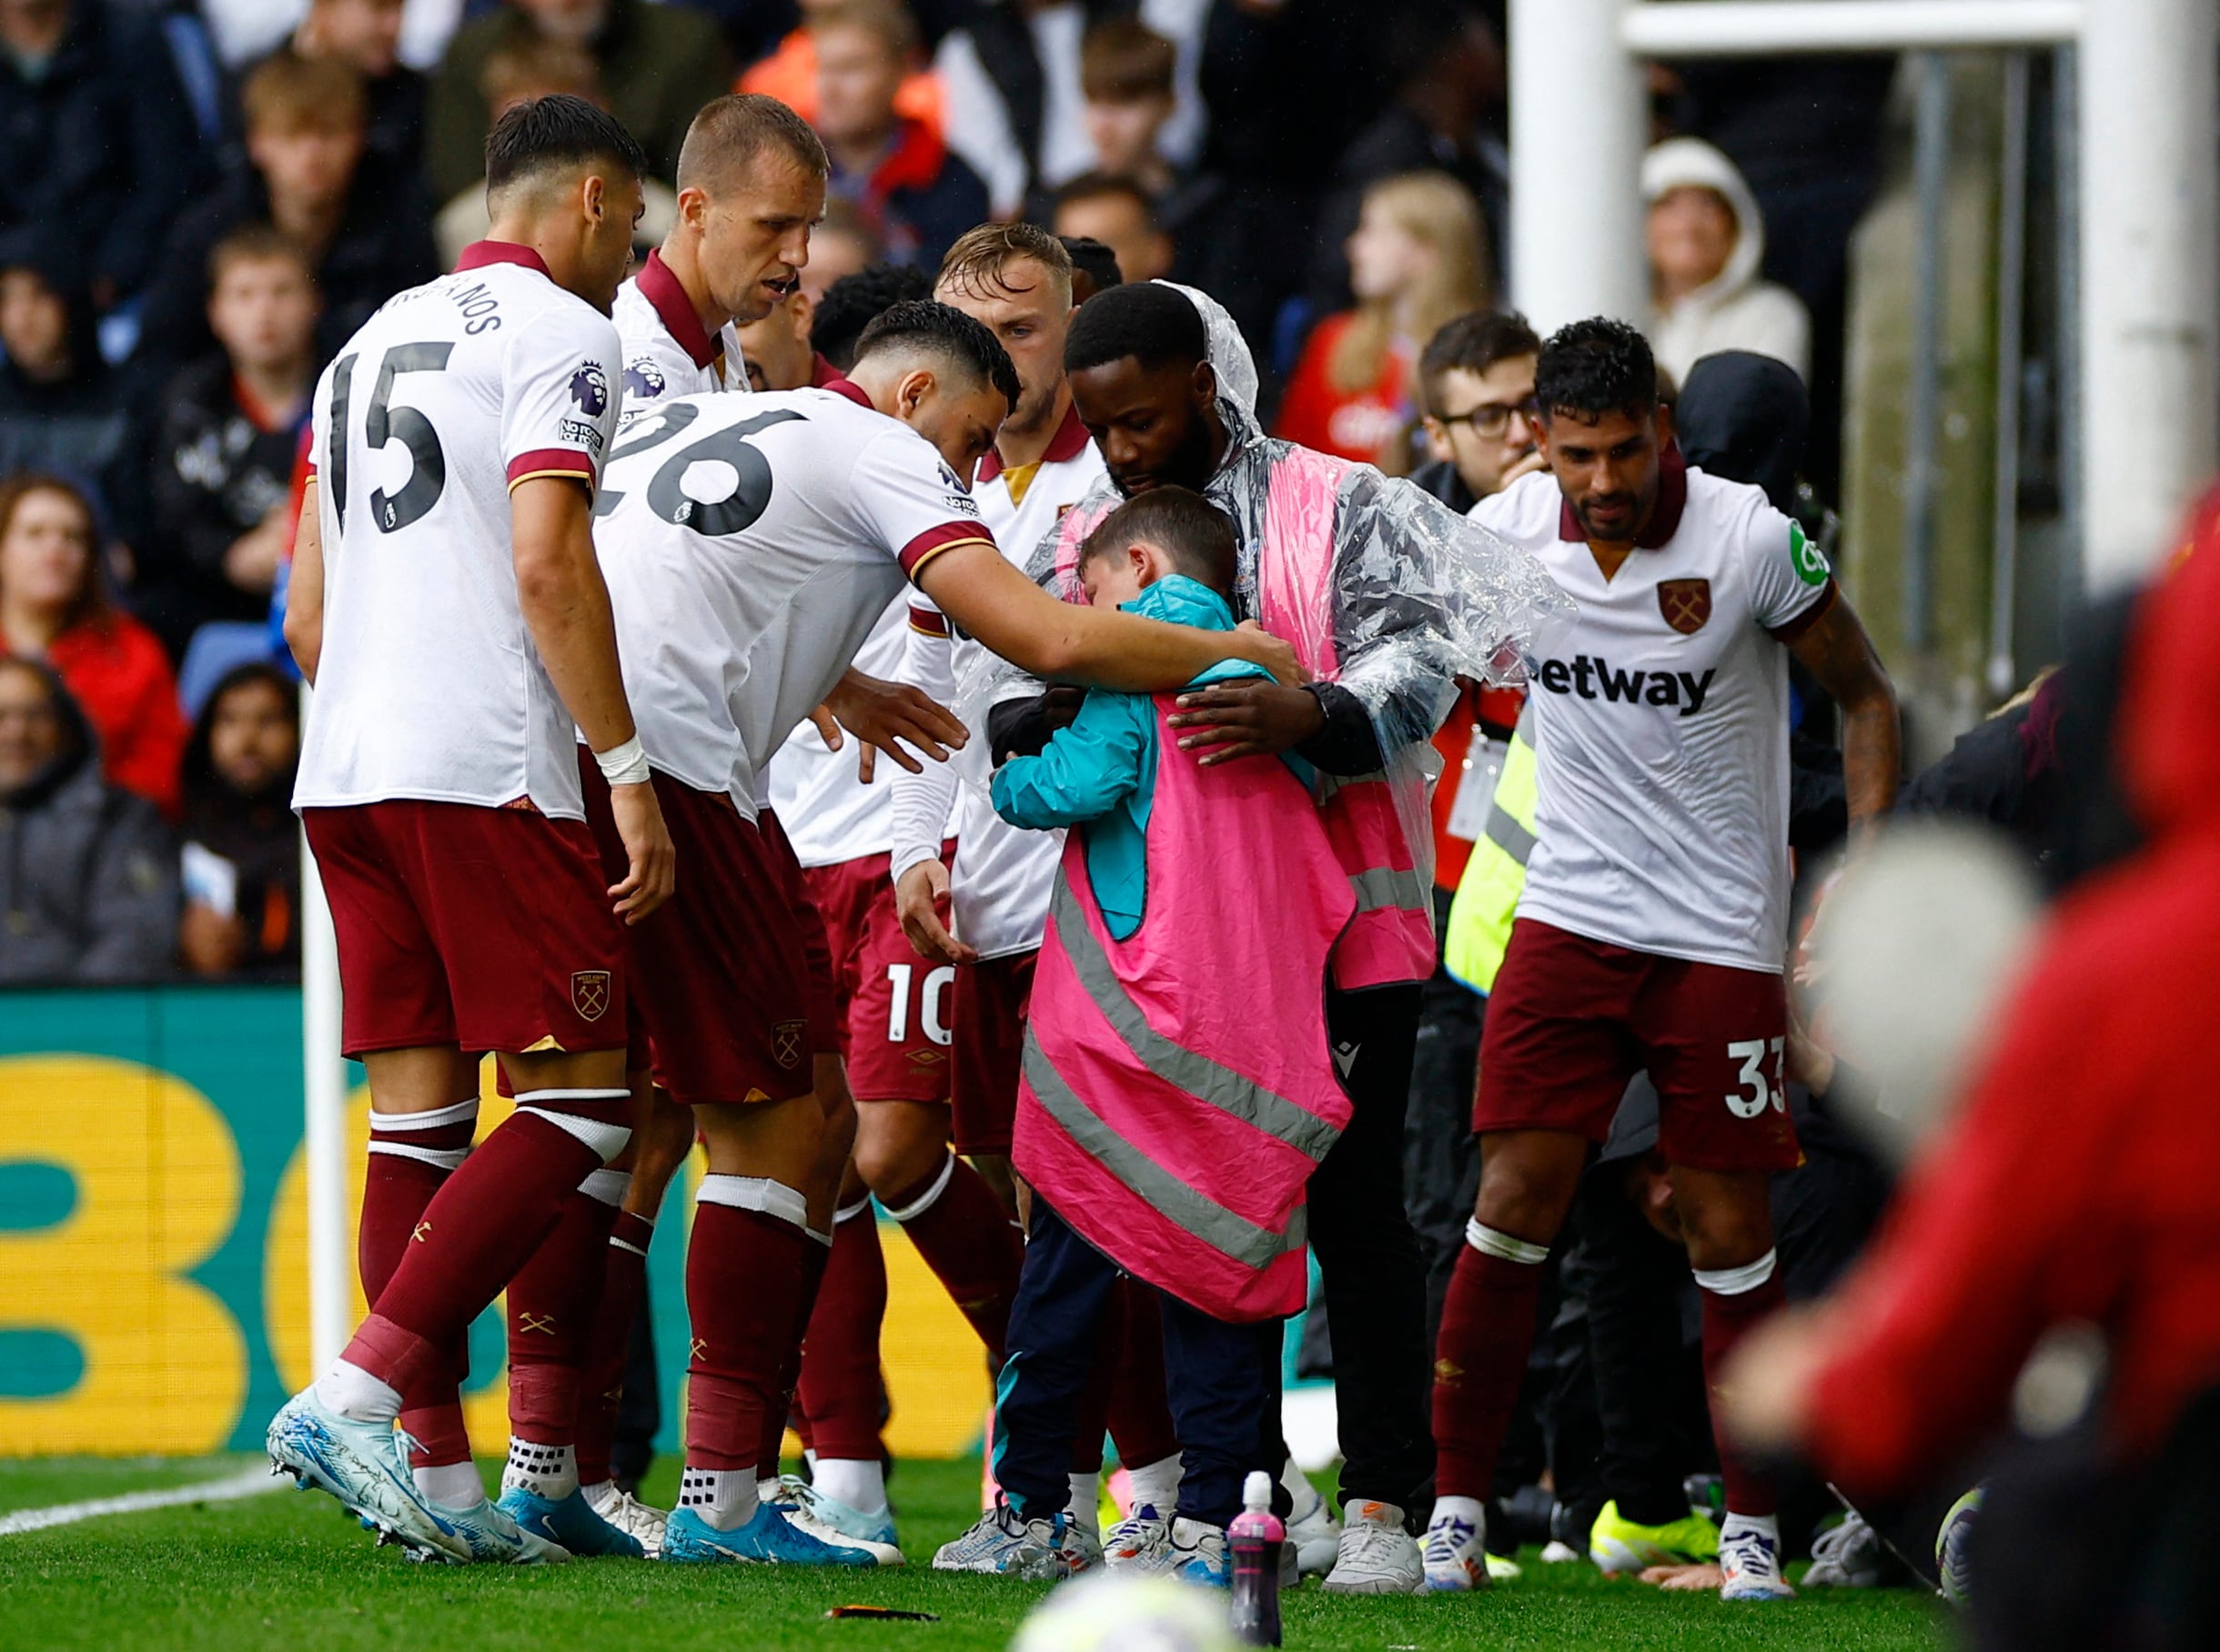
(1178, 1088)
(1391, 939)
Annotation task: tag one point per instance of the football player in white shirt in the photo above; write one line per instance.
(751, 546)
(1016, 279)
(1654, 920)
(752, 181)
(447, 604)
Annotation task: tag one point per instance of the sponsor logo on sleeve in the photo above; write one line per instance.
(1809, 562)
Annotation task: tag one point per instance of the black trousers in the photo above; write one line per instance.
(1441, 1158)
(1369, 1261)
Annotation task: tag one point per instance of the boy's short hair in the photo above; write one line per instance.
(1195, 534)
(1473, 344)
(1107, 186)
(888, 19)
(287, 93)
(1124, 61)
(536, 65)
(257, 244)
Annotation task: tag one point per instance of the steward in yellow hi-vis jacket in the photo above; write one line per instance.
(1480, 917)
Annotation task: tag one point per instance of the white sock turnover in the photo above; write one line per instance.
(861, 1485)
(449, 1485)
(545, 1471)
(355, 1394)
(1157, 1485)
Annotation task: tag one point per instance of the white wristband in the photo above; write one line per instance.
(625, 765)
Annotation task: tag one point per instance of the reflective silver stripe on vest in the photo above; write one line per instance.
(1508, 834)
(1184, 1070)
(1380, 887)
(1231, 1235)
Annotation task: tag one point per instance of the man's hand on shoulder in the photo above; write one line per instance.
(1249, 718)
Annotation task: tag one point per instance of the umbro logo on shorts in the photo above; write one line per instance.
(589, 993)
(786, 1040)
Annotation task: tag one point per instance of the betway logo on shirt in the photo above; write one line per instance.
(1594, 677)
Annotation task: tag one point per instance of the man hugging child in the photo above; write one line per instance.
(1178, 1088)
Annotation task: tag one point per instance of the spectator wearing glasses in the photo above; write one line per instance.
(1476, 394)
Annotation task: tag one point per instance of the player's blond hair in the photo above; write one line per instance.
(980, 260)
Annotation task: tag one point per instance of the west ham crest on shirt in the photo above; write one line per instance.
(1685, 603)
(786, 1042)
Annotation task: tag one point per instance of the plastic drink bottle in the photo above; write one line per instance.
(1255, 1539)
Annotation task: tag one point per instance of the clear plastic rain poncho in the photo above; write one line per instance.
(1419, 596)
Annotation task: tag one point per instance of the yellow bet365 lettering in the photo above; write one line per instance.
(155, 1182)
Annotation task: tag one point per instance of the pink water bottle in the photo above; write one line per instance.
(1255, 1539)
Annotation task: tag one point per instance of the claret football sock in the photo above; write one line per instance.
(624, 1282)
(964, 1236)
(840, 1392)
(411, 1156)
(486, 1220)
(1734, 1301)
(1487, 1329)
(749, 1272)
(553, 1308)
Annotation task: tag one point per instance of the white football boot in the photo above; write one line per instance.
(636, 1519)
(1749, 1559)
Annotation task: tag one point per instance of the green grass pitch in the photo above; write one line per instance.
(289, 1571)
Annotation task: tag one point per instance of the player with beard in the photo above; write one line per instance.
(751, 546)
(1651, 932)
(1389, 597)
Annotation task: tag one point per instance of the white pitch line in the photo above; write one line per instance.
(247, 1484)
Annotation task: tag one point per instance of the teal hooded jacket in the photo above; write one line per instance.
(1099, 774)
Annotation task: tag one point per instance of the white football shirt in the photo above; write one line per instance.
(751, 544)
(830, 816)
(1662, 721)
(1003, 876)
(666, 352)
(429, 686)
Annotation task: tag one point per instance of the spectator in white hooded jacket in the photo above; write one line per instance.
(1706, 242)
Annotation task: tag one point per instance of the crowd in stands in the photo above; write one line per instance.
(203, 198)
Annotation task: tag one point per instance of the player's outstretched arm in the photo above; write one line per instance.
(304, 591)
(1836, 651)
(1099, 647)
(566, 608)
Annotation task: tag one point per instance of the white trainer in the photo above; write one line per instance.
(1845, 1556)
(1456, 1552)
(1315, 1536)
(1749, 1559)
(1141, 1543)
(637, 1520)
(1375, 1556)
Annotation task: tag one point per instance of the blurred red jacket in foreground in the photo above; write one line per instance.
(2082, 1180)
